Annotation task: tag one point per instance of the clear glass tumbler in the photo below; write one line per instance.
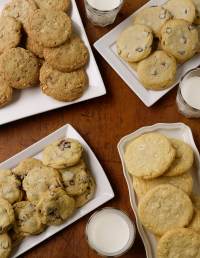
(101, 17)
(183, 106)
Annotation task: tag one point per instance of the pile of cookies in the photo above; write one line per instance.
(161, 172)
(36, 194)
(35, 33)
(160, 38)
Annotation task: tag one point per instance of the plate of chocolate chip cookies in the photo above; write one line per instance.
(153, 48)
(161, 165)
(46, 60)
(47, 187)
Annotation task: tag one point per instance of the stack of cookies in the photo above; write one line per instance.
(36, 194)
(40, 33)
(161, 172)
(160, 38)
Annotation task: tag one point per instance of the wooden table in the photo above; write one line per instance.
(102, 122)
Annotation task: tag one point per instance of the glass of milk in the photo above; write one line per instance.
(102, 12)
(188, 96)
(110, 232)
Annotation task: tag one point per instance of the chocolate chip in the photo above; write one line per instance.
(186, 11)
(139, 49)
(64, 145)
(168, 30)
(163, 64)
(154, 72)
(71, 182)
(183, 40)
(181, 52)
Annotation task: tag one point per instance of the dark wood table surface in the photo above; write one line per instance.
(102, 122)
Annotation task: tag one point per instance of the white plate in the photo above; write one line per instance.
(103, 193)
(176, 130)
(106, 46)
(31, 101)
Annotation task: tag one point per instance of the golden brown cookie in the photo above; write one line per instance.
(62, 86)
(5, 246)
(60, 5)
(6, 92)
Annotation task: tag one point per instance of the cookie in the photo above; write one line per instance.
(5, 246)
(180, 39)
(182, 242)
(63, 86)
(70, 56)
(39, 181)
(22, 169)
(184, 158)
(195, 223)
(20, 10)
(154, 17)
(75, 179)
(197, 6)
(62, 153)
(60, 5)
(184, 182)
(183, 9)
(149, 155)
(50, 28)
(20, 68)
(87, 195)
(10, 187)
(10, 33)
(164, 208)
(35, 47)
(158, 71)
(135, 43)
(6, 216)
(55, 207)
(28, 220)
(6, 92)
(196, 201)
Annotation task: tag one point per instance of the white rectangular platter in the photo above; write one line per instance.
(106, 46)
(176, 130)
(31, 101)
(103, 193)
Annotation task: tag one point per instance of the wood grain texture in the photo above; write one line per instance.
(102, 122)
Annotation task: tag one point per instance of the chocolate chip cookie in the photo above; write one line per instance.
(5, 245)
(7, 217)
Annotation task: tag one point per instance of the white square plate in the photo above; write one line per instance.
(32, 101)
(103, 193)
(106, 46)
(176, 130)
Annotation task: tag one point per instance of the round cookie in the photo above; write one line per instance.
(5, 246)
(20, 68)
(135, 43)
(197, 6)
(60, 5)
(154, 17)
(63, 86)
(180, 39)
(7, 217)
(35, 47)
(183, 9)
(195, 223)
(149, 155)
(164, 208)
(10, 187)
(87, 195)
(184, 182)
(70, 56)
(28, 219)
(62, 153)
(184, 158)
(40, 180)
(22, 169)
(6, 92)
(55, 207)
(158, 71)
(75, 179)
(20, 10)
(10, 33)
(50, 28)
(182, 242)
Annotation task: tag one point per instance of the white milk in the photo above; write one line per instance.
(110, 232)
(190, 91)
(104, 5)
